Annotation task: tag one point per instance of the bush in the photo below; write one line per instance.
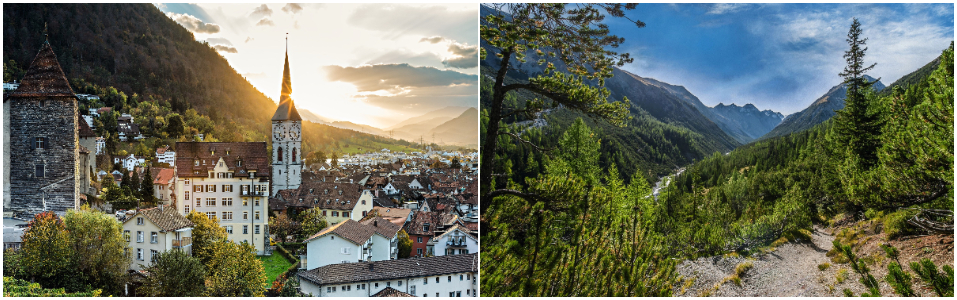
(823, 266)
(21, 288)
(896, 226)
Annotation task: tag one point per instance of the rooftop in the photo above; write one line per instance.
(392, 269)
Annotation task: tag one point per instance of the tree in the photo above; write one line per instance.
(859, 122)
(47, 251)
(315, 157)
(282, 226)
(455, 163)
(125, 180)
(206, 232)
(98, 248)
(134, 184)
(146, 189)
(234, 271)
(405, 244)
(174, 274)
(573, 37)
(335, 160)
(312, 221)
(175, 126)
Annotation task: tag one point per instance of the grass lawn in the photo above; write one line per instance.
(274, 265)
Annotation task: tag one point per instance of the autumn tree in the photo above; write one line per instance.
(312, 221)
(234, 271)
(47, 251)
(174, 273)
(206, 232)
(405, 244)
(283, 226)
(98, 248)
(571, 35)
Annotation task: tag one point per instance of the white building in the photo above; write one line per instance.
(229, 181)
(164, 181)
(155, 230)
(164, 155)
(439, 276)
(11, 86)
(350, 242)
(100, 145)
(128, 162)
(456, 240)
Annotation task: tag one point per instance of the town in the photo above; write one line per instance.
(198, 216)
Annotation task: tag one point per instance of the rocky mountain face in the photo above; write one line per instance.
(821, 110)
(745, 123)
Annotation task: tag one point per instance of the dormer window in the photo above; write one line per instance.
(425, 227)
(196, 162)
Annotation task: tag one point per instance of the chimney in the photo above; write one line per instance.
(375, 223)
(371, 267)
(161, 207)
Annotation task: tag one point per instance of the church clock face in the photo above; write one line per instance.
(277, 132)
(294, 132)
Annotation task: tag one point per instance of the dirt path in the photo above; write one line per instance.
(791, 270)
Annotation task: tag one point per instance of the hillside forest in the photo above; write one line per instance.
(566, 212)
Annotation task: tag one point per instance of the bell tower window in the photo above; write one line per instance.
(279, 153)
(293, 155)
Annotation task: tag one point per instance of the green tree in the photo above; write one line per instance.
(312, 221)
(175, 126)
(572, 36)
(334, 162)
(206, 232)
(455, 163)
(859, 123)
(941, 282)
(98, 248)
(147, 190)
(47, 252)
(11, 263)
(174, 274)
(282, 226)
(405, 245)
(234, 271)
(134, 184)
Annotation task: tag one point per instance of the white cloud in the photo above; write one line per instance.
(224, 48)
(265, 22)
(261, 11)
(193, 24)
(724, 8)
(292, 8)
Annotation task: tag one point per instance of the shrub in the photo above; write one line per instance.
(841, 275)
(823, 266)
(896, 226)
(941, 282)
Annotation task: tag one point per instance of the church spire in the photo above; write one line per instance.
(287, 109)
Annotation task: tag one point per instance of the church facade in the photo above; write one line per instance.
(41, 141)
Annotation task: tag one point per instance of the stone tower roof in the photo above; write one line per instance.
(287, 109)
(44, 78)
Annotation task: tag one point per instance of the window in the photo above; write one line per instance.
(187, 195)
(425, 227)
(468, 276)
(228, 188)
(153, 254)
(323, 213)
(229, 228)
(344, 250)
(388, 283)
(451, 294)
(363, 286)
(257, 203)
(400, 283)
(363, 202)
(211, 188)
(450, 278)
(227, 201)
(345, 214)
(436, 294)
(293, 154)
(211, 215)
(186, 209)
(139, 254)
(40, 143)
(376, 284)
(418, 251)
(186, 182)
(139, 221)
(245, 202)
(198, 203)
(458, 293)
(257, 215)
(436, 281)
(210, 201)
(126, 235)
(245, 229)
(198, 188)
(418, 240)
(461, 277)
(245, 215)
(39, 171)
(335, 214)
(256, 229)
(154, 238)
(425, 281)
(228, 216)
(139, 236)
(196, 162)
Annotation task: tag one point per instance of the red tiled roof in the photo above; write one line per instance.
(382, 226)
(348, 229)
(85, 131)
(253, 155)
(162, 176)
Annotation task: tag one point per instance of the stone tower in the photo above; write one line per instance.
(286, 139)
(40, 141)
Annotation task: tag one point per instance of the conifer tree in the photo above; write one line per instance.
(146, 189)
(859, 122)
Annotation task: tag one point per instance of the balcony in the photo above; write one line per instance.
(183, 242)
(253, 193)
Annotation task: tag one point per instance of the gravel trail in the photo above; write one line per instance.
(789, 271)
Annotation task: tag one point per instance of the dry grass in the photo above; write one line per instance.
(824, 266)
(841, 275)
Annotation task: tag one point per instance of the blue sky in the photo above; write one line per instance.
(777, 56)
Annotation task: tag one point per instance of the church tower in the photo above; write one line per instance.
(286, 138)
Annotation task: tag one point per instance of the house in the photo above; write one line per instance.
(13, 230)
(154, 230)
(455, 240)
(398, 216)
(388, 230)
(130, 162)
(166, 156)
(440, 276)
(228, 181)
(338, 201)
(164, 181)
(422, 227)
(100, 145)
(10, 86)
(348, 242)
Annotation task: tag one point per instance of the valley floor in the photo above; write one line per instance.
(792, 269)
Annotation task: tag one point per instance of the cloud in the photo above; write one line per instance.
(467, 57)
(261, 11)
(292, 8)
(265, 22)
(193, 24)
(395, 77)
(432, 40)
(404, 55)
(396, 20)
(219, 41)
(724, 8)
(227, 49)
(249, 39)
(424, 99)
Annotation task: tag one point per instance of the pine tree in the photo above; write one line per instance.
(859, 122)
(147, 190)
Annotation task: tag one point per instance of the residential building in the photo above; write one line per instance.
(349, 242)
(389, 231)
(229, 181)
(164, 181)
(421, 229)
(40, 141)
(440, 276)
(338, 201)
(130, 162)
(155, 230)
(166, 156)
(455, 240)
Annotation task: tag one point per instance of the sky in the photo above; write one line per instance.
(777, 56)
(368, 64)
